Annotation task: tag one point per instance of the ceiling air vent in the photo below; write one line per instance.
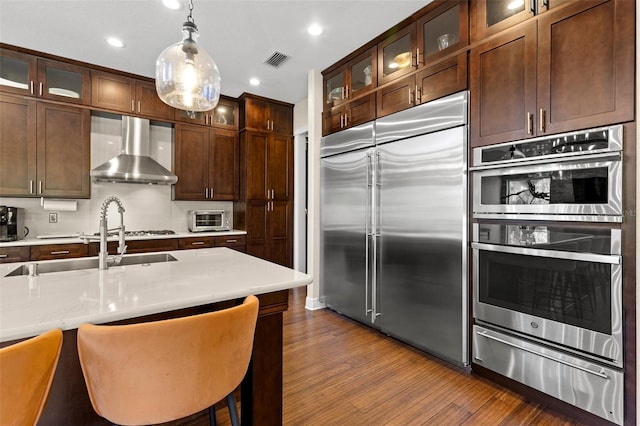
(276, 59)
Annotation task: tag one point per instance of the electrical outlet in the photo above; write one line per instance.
(53, 217)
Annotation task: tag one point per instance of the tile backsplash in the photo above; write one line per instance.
(146, 206)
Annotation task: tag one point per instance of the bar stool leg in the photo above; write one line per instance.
(233, 410)
(212, 415)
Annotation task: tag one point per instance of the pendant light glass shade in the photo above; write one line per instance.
(186, 76)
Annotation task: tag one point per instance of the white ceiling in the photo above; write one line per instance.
(239, 34)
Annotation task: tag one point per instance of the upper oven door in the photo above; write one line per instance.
(586, 188)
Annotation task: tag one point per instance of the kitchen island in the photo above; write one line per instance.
(197, 281)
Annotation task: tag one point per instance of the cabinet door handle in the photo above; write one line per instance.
(32, 87)
(346, 92)
(343, 92)
(544, 4)
(532, 6)
(267, 124)
(40, 89)
(410, 96)
(139, 109)
(418, 62)
(40, 187)
(211, 192)
(206, 193)
(273, 194)
(341, 119)
(53, 253)
(30, 187)
(418, 95)
(529, 123)
(197, 243)
(133, 108)
(543, 119)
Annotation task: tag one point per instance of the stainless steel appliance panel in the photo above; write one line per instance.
(422, 226)
(571, 298)
(444, 113)
(345, 243)
(589, 187)
(587, 385)
(357, 137)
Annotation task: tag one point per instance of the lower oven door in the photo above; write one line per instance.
(569, 298)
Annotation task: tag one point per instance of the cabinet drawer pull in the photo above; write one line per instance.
(231, 241)
(59, 252)
(543, 119)
(197, 243)
(529, 123)
(3, 256)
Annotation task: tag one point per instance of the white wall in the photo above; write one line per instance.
(147, 206)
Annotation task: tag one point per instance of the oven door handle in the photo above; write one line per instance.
(568, 255)
(578, 157)
(600, 373)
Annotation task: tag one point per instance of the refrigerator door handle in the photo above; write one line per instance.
(376, 235)
(368, 227)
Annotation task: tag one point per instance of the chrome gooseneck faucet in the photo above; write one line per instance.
(103, 257)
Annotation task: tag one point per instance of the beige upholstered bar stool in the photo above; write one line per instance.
(159, 371)
(26, 374)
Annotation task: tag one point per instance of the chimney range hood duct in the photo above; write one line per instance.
(134, 165)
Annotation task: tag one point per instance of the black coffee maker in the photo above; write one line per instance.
(11, 224)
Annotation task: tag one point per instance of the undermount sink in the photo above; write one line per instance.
(91, 263)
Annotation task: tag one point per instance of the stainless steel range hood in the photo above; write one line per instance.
(134, 165)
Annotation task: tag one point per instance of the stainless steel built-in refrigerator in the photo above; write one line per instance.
(394, 225)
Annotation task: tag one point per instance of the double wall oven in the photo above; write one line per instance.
(547, 265)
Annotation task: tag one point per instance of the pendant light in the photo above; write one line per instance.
(186, 76)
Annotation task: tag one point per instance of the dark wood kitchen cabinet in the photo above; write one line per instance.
(14, 254)
(59, 251)
(265, 206)
(127, 95)
(25, 74)
(38, 141)
(443, 78)
(257, 113)
(572, 69)
(351, 80)
(137, 246)
(489, 17)
(224, 115)
(206, 163)
(353, 113)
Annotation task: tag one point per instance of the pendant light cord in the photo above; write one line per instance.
(190, 17)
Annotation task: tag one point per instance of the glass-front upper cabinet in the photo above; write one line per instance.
(442, 31)
(491, 16)
(29, 75)
(397, 54)
(356, 77)
(225, 115)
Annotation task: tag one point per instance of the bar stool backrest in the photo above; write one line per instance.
(160, 371)
(26, 374)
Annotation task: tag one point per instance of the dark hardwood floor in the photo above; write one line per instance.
(338, 372)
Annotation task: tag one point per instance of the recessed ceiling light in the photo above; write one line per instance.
(114, 41)
(254, 82)
(172, 4)
(315, 29)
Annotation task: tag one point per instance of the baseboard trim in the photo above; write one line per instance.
(313, 304)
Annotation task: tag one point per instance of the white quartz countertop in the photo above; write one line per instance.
(32, 305)
(74, 238)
